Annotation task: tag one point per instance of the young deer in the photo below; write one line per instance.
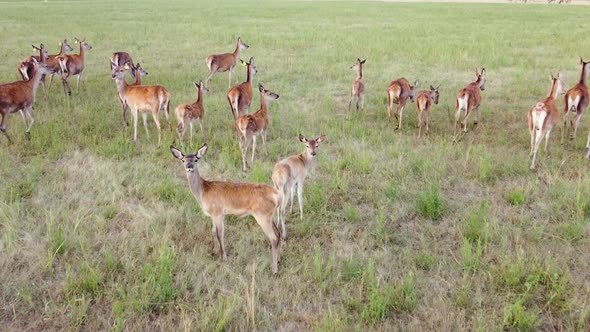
(25, 67)
(576, 101)
(224, 62)
(252, 125)
(398, 92)
(240, 96)
(73, 65)
(358, 85)
(186, 114)
(290, 173)
(144, 99)
(218, 199)
(20, 95)
(53, 63)
(121, 59)
(469, 98)
(133, 69)
(543, 116)
(424, 103)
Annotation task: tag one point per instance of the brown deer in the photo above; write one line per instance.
(73, 65)
(398, 92)
(240, 96)
(121, 59)
(26, 67)
(469, 98)
(218, 199)
(53, 62)
(358, 85)
(186, 114)
(19, 96)
(544, 116)
(290, 173)
(255, 124)
(576, 101)
(224, 62)
(424, 102)
(132, 69)
(144, 99)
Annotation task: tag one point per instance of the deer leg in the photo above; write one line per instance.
(157, 121)
(214, 232)
(29, 112)
(253, 148)
(532, 132)
(66, 86)
(564, 126)
(300, 198)
(350, 101)
(419, 124)
(428, 124)
(538, 139)
(464, 122)
(244, 142)
(202, 129)
(78, 83)
(576, 124)
(457, 118)
(547, 138)
(43, 85)
(22, 113)
(212, 72)
(218, 221)
(190, 124)
(3, 126)
(588, 146)
(264, 142)
(285, 190)
(230, 73)
(135, 115)
(145, 125)
(50, 81)
(273, 234)
(167, 113)
(399, 111)
(123, 110)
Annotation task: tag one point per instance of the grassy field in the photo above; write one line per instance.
(399, 233)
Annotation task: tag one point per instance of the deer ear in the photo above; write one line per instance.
(251, 60)
(202, 151)
(432, 88)
(321, 138)
(302, 138)
(363, 62)
(416, 84)
(41, 46)
(176, 153)
(260, 87)
(242, 63)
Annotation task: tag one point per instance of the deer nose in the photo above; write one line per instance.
(313, 153)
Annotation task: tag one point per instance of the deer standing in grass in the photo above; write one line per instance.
(73, 65)
(121, 59)
(469, 99)
(20, 96)
(137, 72)
(225, 62)
(240, 96)
(544, 116)
(252, 125)
(424, 102)
(26, 67)
(143, 98)
(289, 174)
(576, 101)
(53, 63)
(398, 92)
(218, 199)
(358, 86)
(186, 114)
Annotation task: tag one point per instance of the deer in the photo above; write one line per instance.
(132, 69)
(224, 62)
(256, 124)
(121, 59)
(240, 96)
(53, 62)
(188, 113)
(424, 102)
(398, 92)
(73, 65)
(469, 99)
(218, 199)
(26, 67)
(289, 174)
(358, 85)
(576, 101)
(144, 99)
(544, 116)
(20, 96)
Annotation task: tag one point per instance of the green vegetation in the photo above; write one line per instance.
(440, 233)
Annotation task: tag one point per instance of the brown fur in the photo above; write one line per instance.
(133, 69)
(187, 113)
(473, 93)
(53, 62)
(224, 62)
(580, 90)
(424, 102)
(398, 92)
(73, 65)
(358, 86)
(240, 96)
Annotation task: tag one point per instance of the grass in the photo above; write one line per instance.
(440, 233)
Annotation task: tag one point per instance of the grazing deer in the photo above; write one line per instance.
(218, 199)
(73, 65)
(290, 173)
(240, 96)
(20, 95)
(576, 101)
(398, 92)
(144, 99)
(544, 116)
(224, 62)
(186, 114)
(133, 69)
(469, 98)
(424, 103)
(252, 125)
(358, 85)
(53, 62)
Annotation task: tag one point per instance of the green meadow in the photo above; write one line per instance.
(441, 233)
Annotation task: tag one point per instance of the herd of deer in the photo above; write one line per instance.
(219, 199)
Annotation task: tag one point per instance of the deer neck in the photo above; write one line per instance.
(237, 50)
(553, 92)
(62, 49)
(82, 52)
(359, 74)
(306, 159)
(195, 183)
(583, 74)
(249, 75)
(121, 86)
(263, 107)
(137, 78)
(199, 96)
(34, 82)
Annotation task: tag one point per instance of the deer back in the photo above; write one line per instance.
(238, 198)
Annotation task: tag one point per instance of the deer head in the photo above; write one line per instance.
(434, 93)
(413, 90)
(242, 45)
(311, 146)
(189, 161)
(267, 94)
